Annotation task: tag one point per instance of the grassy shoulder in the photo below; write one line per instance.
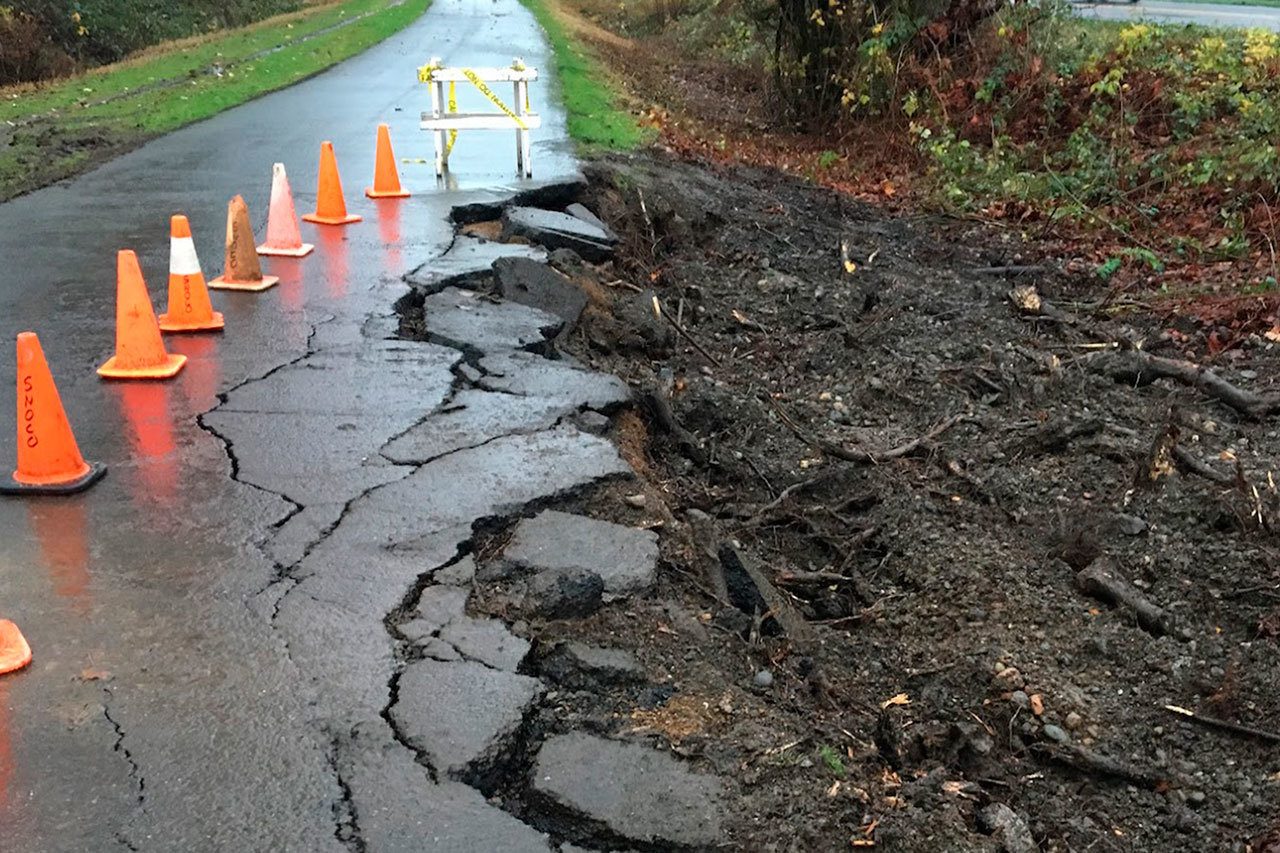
(596, 119)
(54, 130)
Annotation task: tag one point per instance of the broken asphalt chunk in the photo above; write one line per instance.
(462, 715)
(625, 558)
(555, 230)
(629, 791)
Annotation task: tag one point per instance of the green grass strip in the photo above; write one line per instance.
(66, 126)
(595, 120)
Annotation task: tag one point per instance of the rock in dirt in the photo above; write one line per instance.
(539, 286)
(1101, 580)
(625, 558)
(486, 640)
(630, 791)
(565, 594)
(462, 715)
(1056, 734)
(632, 328)
(578, 665)
(556, 230)
(1003, 822)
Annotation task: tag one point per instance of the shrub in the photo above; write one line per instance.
(100, 31)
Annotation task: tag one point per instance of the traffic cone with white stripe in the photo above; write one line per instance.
(189, 306)
(283, 236)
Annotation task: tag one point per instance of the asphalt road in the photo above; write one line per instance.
(1204, 14)
(168, 708)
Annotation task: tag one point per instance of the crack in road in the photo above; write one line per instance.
(288, 575)
(135, 770)
(345, 815)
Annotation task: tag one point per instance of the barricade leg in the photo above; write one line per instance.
(437, 95)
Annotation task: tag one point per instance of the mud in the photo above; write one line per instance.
(920, 470)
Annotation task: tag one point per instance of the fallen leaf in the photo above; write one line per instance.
(900, 699)
(1025, 298)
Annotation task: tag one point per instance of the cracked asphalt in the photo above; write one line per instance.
(214, 667)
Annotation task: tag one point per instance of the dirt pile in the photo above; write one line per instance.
(939, 544)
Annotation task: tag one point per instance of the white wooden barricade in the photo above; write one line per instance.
(444, 116)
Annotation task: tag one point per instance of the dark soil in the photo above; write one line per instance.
(944, 658)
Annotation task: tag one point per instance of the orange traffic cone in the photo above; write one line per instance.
(49, 461)
(242, 270)
(386, 180)
(14, 651)
(189, 306)
(283, 236)
(331, 207)
(140, 352)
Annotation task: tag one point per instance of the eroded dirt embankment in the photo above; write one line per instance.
(939, 543)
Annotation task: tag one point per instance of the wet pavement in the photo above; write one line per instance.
(213, 668)
(1202, 14)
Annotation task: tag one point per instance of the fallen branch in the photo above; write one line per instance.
(781, 498)
(705, 537)
(1012, 269)
(1089, 761)
(863, 457)
(1141, 368)
(1225, 725)
(780, 608)
(1101, 581)
(661, 312)
(658, 399)
(1188, 462)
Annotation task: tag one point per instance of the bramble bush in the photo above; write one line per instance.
(1023, 110)
(1139, 127)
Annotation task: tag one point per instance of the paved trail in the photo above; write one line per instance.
(1204, 14)
(212, 668)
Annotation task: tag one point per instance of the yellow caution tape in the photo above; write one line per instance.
(497, 102)
(453, 108)
(426, 72)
